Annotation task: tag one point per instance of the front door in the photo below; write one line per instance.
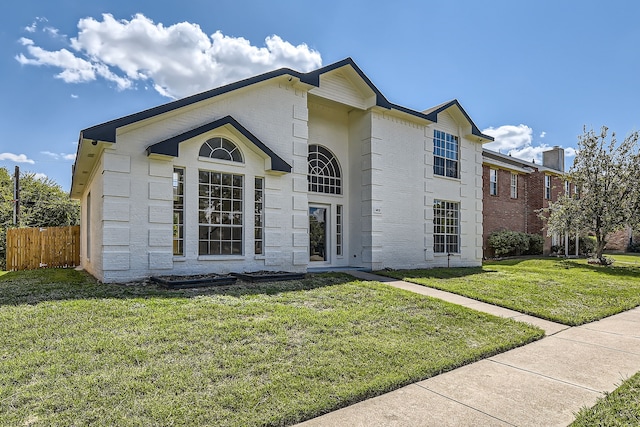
(318, 244)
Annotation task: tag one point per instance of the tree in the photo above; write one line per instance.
(43, 203)
(608, 177)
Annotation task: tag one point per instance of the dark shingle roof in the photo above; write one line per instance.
(170, 147)
(107, 131)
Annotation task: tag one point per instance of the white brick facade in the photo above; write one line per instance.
(385, 154)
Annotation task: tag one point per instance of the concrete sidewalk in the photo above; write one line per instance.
(541, 384)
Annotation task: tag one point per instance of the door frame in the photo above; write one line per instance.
(327, 233)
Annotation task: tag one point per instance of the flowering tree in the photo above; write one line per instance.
(608, 177)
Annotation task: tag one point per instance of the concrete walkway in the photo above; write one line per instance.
(541, 384)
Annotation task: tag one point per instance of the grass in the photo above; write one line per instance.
(569, 291)
(619, 408)
(74, 352)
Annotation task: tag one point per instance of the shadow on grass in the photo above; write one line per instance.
(435, 273)
(38, 286)
(612, 270)
(621, 269)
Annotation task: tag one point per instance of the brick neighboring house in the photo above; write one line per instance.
(620, 240)
(514, 189)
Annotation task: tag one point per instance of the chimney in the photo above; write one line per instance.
(554, 158)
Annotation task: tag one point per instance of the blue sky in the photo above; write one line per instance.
(531, 73)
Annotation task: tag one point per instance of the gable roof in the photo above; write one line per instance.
(106, 132)
(432, 114)
(170, 147)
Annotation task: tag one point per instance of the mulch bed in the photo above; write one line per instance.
(203, 280)
(267, 276)
(195, 281)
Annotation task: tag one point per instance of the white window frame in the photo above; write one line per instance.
(446, 154)
(178, 210)
(223, 215)
(514, 185)
(258, 225)
(547, 187)
(324, 174)
(493, 182)
(219, 148)
(446, 227)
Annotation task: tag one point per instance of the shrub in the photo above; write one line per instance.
(509, 242)
(536, 244)
(634, 247)
(587, 245)
(3, 248)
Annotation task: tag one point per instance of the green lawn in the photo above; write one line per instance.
(620, 408)
(566, 291)
(74, 352)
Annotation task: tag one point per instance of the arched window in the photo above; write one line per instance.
(324, 171)
(221, 148)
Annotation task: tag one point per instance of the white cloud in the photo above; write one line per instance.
(34, 25)
(176, 60)
(517, 141)
(58, 156)
(17, 158)
(40, 176)
(74, 69)
(50, 154)
(509, 137)
(74, 96)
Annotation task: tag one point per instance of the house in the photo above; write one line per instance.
(620, 240)
(514, 191)
(285, 171)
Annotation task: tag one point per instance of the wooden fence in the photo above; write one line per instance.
(32, 248)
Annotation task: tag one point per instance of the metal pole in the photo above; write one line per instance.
(16, 196)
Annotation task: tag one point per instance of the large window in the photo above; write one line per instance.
(220, 210)
(178, 211)
(514, 185)
(259, 216)
(446, 227)
(222, 149)
(445, 154)
(324, 171)
(493, 182)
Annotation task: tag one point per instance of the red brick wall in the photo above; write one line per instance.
(501, 212)
(619, 241)
(535, 185)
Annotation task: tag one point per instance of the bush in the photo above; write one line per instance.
(587, 245)
(536, 244)
(3, 248)
(515, 243)
(634, 247)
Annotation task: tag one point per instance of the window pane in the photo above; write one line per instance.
(217, 206)
(323, 169)
(446, 238)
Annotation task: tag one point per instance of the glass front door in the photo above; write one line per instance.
(318, 234)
